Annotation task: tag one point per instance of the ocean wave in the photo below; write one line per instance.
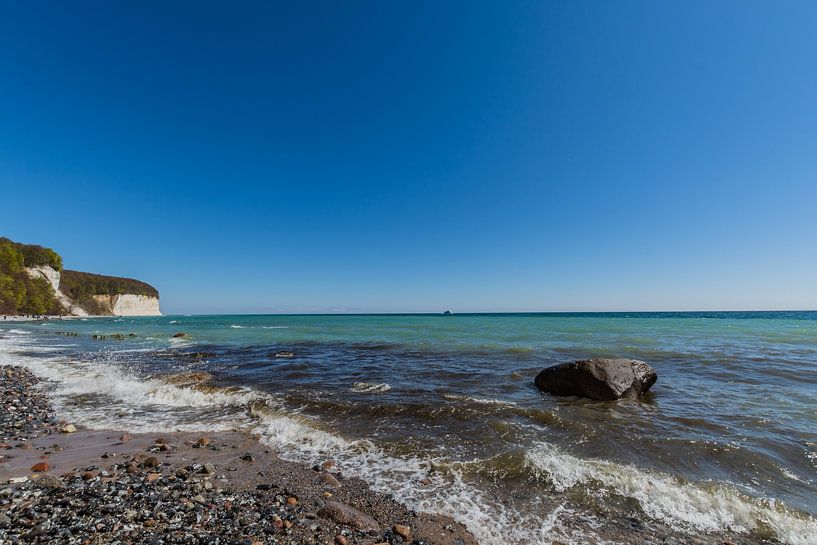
(142, 404)
(479, 400)
(423, 484)
(371, 387)
(234, 326)
(683, 505)
(178, 342)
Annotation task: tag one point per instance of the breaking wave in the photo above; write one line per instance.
(708, 507)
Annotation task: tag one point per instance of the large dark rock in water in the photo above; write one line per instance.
(601, 379)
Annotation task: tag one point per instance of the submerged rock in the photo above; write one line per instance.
(602, 379)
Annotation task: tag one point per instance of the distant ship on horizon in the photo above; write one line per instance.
(448, 313)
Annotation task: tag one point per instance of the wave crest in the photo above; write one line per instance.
(371, 387)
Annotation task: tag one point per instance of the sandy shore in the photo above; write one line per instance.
(77, 486)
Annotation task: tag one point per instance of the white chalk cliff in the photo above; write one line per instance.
(126, 304)
(130, 304)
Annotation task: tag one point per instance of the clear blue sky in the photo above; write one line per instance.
(411, 156)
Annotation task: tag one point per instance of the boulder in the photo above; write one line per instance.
(601, 379)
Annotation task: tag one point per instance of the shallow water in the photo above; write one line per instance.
(442, 411)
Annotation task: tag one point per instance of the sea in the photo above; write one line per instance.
(442, 412)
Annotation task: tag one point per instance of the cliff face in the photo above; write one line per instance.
(129, 304)
(116, 304)
(53, 277)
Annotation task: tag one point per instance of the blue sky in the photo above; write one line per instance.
(418, 156)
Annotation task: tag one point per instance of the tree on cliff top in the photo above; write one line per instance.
(19, 292)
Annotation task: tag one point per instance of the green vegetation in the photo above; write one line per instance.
(82, 286)
(19, 292)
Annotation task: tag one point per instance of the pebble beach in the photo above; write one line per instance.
(63, 484)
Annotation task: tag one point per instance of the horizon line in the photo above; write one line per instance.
(493, 312)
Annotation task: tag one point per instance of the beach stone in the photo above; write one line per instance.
(151, 461)
(40, 467)
(340, 540)
(68, 428)
(345, 514)
(330, 480)
(179, 335)
(402, 530)
(602, 379)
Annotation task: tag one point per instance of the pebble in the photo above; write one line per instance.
(402, 531)
(68, 428)
(41, 467)
(348, 515)
(151, 461)
(330, 480)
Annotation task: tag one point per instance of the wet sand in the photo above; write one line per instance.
(111, 486)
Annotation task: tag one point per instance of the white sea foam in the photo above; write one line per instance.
(234, 326)
(177, 342)
(274, 327)
(298, 439)
(131, 397)
(479, 400)
(683, 505)
(371, 387)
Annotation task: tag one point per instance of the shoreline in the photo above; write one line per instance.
(222, 487)
(49, 317)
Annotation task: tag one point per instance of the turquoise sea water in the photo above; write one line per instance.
(442, 412)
